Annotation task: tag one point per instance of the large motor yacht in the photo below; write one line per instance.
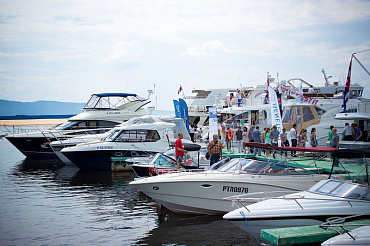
(102, 112)
(141, 136)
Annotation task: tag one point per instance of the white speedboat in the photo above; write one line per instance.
(141, 136)
(203, 192)
(355, 237)
(166, 162)
(323, 201)
(102, 112)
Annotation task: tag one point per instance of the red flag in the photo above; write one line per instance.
(346, 88)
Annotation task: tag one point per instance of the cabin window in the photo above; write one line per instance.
(137, 136)
(307, 114)
(319, 111)
(292, 115)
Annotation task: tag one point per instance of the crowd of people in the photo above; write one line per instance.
(227, 137)
(271, 136)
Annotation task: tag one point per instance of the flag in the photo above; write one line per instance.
(180, 90)
(266, 100)
(346, 88)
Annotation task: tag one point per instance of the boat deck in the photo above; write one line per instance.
(307, 234)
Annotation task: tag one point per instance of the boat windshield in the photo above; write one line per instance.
(341, 189)
(134, 136)
(162, 160)
(138, 121)
(256, 167)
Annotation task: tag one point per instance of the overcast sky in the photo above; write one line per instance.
(66, 50)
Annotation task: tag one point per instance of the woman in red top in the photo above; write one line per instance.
(179, 151)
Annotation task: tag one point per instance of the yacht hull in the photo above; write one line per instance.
(32, 147)
(99, 159)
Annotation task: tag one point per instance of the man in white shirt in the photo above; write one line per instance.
(293, 137)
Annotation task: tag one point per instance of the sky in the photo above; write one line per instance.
(66, 50)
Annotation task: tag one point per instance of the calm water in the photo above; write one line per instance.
(44, 202)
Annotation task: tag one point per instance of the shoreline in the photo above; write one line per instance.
(32, 122)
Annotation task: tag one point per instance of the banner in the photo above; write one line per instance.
(177, 108)
(184, 112)
(213, 126)
(275, 111)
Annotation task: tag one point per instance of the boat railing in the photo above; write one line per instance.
(13, 130)
(63, 135)
(297, 199)
(340, 225)
(244, 199)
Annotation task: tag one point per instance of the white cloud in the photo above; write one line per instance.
(130, 45)
(208, 48)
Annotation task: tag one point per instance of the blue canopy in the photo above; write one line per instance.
(115, 94)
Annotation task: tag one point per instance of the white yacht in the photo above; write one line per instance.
(325, 200)
(319, 109)
(141, 136)
(203, 192)
(102, 112)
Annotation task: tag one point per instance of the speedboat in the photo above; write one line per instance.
(358, 236)
(166, 162)
(203, 192)
(141, 136)
(101, 113)
(324, 201)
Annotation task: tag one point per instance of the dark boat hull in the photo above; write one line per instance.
(33, 147)
(100, 159)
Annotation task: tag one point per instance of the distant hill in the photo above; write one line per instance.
(10, 108)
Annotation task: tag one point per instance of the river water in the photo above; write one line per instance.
(44, 202)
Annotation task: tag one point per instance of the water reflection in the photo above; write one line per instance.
(100, 205)
(45, 202)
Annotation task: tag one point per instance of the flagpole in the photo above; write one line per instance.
(353, 55)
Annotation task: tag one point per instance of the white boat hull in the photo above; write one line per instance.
(203, 193)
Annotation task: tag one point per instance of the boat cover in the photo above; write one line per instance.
(351, 153)
(269, 146)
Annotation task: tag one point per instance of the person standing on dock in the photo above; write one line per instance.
(313, 137)
(274, 135)
(229, 138)
(245, 139)
(179, 150)
(215, 150)
(250, 138)
(335, 139)
(239, 138)
(293, 137)
(257, 139)
(191, 132)
(330, 136)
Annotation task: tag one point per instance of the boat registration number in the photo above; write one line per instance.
(235, 189)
